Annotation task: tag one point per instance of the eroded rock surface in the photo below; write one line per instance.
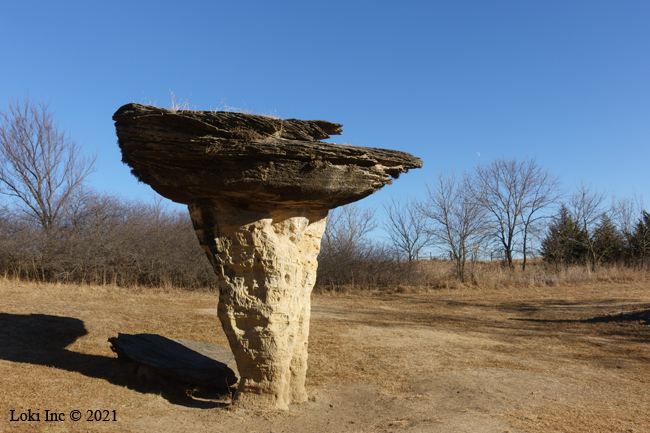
(258, 190)
(267, 263)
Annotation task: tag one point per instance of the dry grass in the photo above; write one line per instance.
(446, 360)
(426, 275)
(533, 331)
(55, 347)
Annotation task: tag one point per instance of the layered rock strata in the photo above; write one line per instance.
(258, 190)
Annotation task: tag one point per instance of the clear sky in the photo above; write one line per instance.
(456, 83)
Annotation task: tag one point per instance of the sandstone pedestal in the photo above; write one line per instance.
(267, 261)
(258, 190)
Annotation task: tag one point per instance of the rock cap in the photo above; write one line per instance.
(251, 161)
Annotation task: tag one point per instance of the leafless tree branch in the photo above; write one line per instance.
(585, 205)
(456, 219)
(406, 227)
(40, 166)
(514, 193)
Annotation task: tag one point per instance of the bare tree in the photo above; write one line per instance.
(586, 208)
(40, 166)
(345, 245)
(456, 219)
(406, 228)
(543, 192)
(347, 228)
(514, 194)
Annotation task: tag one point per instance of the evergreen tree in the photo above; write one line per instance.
(608, 241)
(565, 241)
(640, 242)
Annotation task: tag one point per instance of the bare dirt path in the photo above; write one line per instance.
(447, 361)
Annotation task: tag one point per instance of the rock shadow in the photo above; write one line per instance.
(42, 339)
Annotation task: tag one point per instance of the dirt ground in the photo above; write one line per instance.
(507, 360)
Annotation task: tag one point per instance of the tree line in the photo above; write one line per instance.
(105, 239)
(54, 228)
(503, 212)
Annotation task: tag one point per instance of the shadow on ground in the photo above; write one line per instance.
(525, 317)
(42, 340)
(642, 316)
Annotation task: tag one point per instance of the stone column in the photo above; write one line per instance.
(266, 264)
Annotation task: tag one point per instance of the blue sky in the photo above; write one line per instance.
(456, 83)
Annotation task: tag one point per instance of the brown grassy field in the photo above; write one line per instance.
(466, 360)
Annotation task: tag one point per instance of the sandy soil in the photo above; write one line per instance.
(447, 361)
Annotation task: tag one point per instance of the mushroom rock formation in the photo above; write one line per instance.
(258, 190)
